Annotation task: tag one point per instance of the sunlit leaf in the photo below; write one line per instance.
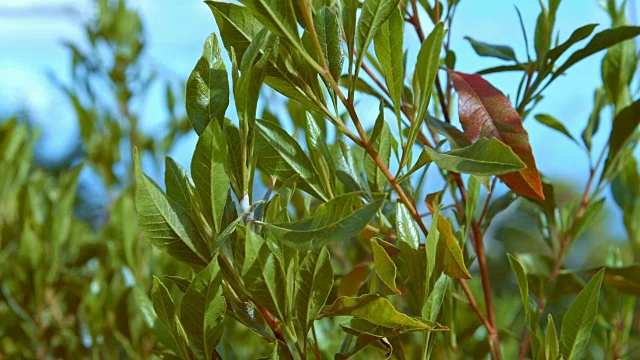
(483, 157)
(553, 123)
(210, 171)
(336, 220)
(388, 47)
(579, 319)
(385, 268)
(208, 88)
(165, 225)
(313, 283)
(486, 112)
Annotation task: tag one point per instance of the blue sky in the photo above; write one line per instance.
(176, 30)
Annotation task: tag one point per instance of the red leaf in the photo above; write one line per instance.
(486, 112)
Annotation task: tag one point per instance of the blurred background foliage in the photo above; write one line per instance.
(74, 273)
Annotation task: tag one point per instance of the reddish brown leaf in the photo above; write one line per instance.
(486, 112)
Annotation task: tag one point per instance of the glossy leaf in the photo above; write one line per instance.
(281, 156)
(579, 319)
(407, 230)
(165, 225)
(578, 34)
(553, 123)
(278, 16)
(497, 51)
(313, 285)
(385, 268)
(424, 77)
(600, 41)
(485, 112)
(374, 309)
(178, 184)
(483, 157)
(374, 14)
(210, 171)
(450, 252)
(599, 102)
(328, 30)
(618, 68)
(388, 48)
(237, 25)
(208, 88)
(336, 220)
(202, 310)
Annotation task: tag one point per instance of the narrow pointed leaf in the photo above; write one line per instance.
(423, 79)
(313, 283)
(210, 171)
(600, 41)
(336, 220)
(579, 319)
(381, 140)
(486, 112)
(624, 126)
(374, 14)
(385, 268)
(449, 249)
(281, 156)
(553, 123)
(178, 185)
(552, 347)
(208, 88)
(407, 230)
(329, 35)
(578, 34)
(202, 310)
(373, 308)
(497, 51)
(165, 225)
(521, 279)
(162, 303)
(483, 157)
(321, 156)
(277, 15)
(388, 47)
(236, 24)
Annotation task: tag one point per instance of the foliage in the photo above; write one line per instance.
(349, 252)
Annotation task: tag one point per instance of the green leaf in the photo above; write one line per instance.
(578, 34)
(497, 51)
(625, 279)
(338, 219)
(202, 311)
(321, 156)
(313, 283)
(180, 282)
(552, 348)
(523, 285)
(484, 157)
(278, 16)
(210, 171)
(373, 16)
(374, 309)
(208, 88)
(552, 122)
(600, 41)
(328, 30)
(449, 251)
(281, 156)
(165, 225)
(163, 303)
(236, 24)
(407, 230)
(178, 184)
(423, 79)
(579, 319)
(599, 102)
(456, 138)
(388, 48)
(265, 277)
(624, 126)
(385, 268)
(346, 167)
(381, 142)
(618, 68)
(486, 112)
